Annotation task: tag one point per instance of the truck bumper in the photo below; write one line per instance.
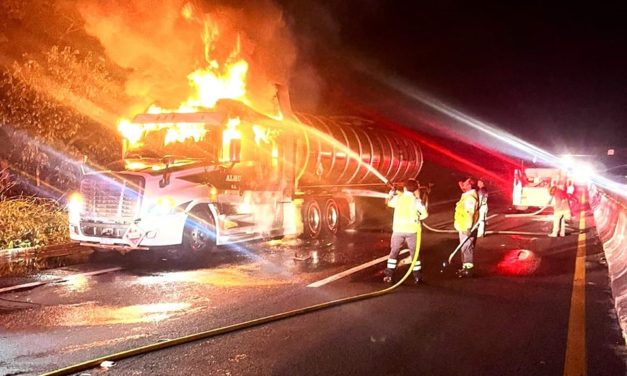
(164, 230)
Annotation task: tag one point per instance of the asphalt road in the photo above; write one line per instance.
(514, 318)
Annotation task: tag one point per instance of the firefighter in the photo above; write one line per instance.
(561, 211)
(482, 193)
(466, 216)
(408, 212)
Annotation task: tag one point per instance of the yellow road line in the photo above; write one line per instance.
(575, 363)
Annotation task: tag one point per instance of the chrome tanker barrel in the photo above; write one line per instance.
(344, 151)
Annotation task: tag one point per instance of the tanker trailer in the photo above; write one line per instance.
(230, 174)
(342, 159)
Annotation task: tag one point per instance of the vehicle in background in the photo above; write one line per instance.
(531, 186)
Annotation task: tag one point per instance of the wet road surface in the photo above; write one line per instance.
(512, 319)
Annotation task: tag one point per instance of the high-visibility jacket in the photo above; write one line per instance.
(408, 211)
(466, 211)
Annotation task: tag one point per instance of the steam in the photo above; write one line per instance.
(159, 47)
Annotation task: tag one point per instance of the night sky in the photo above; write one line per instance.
(553, 73)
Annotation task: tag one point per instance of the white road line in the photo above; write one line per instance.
(350, 271)
(58, 279)
(491, 216)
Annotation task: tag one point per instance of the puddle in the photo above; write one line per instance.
(93, 313)
(240, 276)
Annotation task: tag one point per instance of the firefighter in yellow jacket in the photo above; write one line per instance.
(466, 216)
(408, 212)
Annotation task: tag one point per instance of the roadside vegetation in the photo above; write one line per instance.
(31, 222)
(59, 99)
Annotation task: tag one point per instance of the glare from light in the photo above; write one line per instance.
(163, 205)
(583, 173)
(75, 203)
(506, 142)
(567, 161)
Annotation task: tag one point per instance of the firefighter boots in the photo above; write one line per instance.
(388, 275)
(465, 273)
(418, 278)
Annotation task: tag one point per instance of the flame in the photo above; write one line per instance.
(176, 132)
(209, 84)
(230, 133)
(135, 165)
(261, 134)
(187, 11)
(131, 132)
(180, 132)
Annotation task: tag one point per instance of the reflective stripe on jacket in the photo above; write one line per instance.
(466, 211)
(407, 212)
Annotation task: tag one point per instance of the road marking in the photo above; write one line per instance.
(491, 216)
(575, 360)
(58, 279)
(350, 271)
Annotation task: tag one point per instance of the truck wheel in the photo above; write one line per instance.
(312, 219)
(331, 217)
(199, 234)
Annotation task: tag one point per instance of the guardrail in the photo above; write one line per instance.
(18, 261)
(610, 216)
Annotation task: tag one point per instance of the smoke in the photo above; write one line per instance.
(159, 47)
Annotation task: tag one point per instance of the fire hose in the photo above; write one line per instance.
(444, 231)
(228, 329)
(489, 232)
(459, 246)
(526, 214)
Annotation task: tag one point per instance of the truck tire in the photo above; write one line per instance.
(199, 234)
(331, 217)
(312, 219)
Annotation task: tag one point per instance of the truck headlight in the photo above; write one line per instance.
(162, 206)
(75, 203)
(583, 173)
(75, 207)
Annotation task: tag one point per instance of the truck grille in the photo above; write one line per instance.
(111, 197)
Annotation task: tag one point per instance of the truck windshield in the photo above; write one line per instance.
(156, 145)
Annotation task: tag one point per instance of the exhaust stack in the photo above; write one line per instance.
(283, 99)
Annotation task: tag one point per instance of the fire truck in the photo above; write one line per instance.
(231, 174)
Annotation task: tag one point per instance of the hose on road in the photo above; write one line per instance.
(495, 232)
(442, 231)
(228, 329)
(522, 215)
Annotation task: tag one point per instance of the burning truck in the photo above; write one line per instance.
(231, 174)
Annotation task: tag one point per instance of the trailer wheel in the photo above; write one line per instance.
(331, 217)
(199, 234)
(312, 219)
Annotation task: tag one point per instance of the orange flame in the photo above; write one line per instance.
(229, 134)
(209, 84)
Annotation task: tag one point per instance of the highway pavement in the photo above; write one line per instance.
(536, 306)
